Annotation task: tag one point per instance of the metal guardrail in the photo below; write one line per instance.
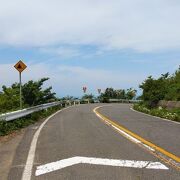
(24, 112)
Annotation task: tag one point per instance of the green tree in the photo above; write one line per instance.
(90, 97)
(9, 98)
(153, 91)
(131, 93)
(68, 98)
(120, 94)
(164, 88)
(173, 86)
(33, 93)
(110, 93)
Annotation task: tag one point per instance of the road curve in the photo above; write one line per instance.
(78, 145)
(163, 133)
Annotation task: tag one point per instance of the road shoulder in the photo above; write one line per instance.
(8, 146)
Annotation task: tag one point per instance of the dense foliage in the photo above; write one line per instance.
(172, 114)
(89, 97)
(111, 93)
(166, 87)
(11, 126)
(32, 94)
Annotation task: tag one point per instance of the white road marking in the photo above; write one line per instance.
(30, 159)
(133, 139)
(54, 166)
(148, 147)
(34, 128)
(127, 135)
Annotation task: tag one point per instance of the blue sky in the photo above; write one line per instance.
(98, 44)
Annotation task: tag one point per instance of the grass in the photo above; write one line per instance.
(11, 126)
(173, 114)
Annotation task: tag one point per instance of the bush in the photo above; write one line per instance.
(173, 114)
(11, 126)
(32, 94)
(166, 87)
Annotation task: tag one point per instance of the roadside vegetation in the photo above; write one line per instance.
(86, 97)
(11, 126)
(171, 114)
(33, 94)
(111, 93)
(166, 87)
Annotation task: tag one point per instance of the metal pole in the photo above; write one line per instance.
(20, 84)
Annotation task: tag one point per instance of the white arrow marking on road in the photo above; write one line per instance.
(50, 167)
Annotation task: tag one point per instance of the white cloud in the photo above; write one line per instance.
(69, 80)
(136, 24)
(65, 52)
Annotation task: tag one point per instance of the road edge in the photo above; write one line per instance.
(160, 153)
(27, 172)
(155, 116)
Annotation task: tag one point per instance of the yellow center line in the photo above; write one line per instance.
(144, 141)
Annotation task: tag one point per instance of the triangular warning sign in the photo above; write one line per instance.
(20, 66)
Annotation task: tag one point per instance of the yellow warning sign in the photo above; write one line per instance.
(20, 66)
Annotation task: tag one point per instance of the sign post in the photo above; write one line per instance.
(20, 66)
(20, 90)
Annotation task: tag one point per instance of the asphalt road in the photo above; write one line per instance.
(78, 132)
